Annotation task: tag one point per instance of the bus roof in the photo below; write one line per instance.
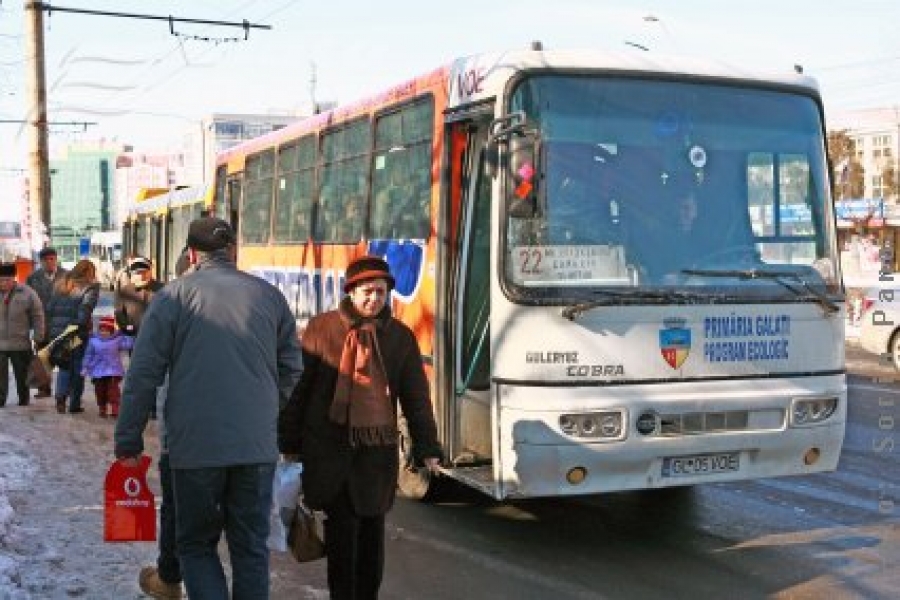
(482, 76)
(492, 71)
(169, 199)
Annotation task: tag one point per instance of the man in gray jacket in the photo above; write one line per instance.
(229, 344)
(21, 316)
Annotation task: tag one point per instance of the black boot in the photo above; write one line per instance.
(60, 405)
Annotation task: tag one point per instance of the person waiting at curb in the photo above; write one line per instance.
(73, 303)
(21, 313)
(43, 281)
(103, 364)
(133, 296)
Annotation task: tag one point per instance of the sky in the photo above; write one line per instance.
(140, 84)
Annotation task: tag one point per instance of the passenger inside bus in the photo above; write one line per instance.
(401, 203)
(676, 244)
(298, 229)
(693, 228)
(349, 227)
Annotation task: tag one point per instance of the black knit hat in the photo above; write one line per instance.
(45, 252)
(7, 269)
(366, 268)
(209, 234)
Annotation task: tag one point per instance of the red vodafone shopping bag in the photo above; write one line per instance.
(129, 510)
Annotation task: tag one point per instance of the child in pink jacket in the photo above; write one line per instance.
(103, 364)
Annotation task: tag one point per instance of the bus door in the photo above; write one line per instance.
(157, 238)
(234, 189)
(231, 203)
(469, 432)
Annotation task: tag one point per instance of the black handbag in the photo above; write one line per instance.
(303, 536)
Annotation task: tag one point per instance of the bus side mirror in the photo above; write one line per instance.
(491, 158)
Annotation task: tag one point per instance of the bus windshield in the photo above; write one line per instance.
(637, 183)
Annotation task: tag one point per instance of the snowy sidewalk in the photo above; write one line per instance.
(52, 468)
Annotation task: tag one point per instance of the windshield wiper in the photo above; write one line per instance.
(661, 297)
(777, 276)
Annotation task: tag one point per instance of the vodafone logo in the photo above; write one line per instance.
(132, 487)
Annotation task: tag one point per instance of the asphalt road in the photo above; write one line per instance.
(824, 536)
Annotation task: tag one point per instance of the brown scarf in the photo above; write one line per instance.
(362, 398)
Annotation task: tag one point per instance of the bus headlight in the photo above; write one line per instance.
(811, 411)
(606, 425)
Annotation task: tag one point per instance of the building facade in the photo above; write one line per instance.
(219, 132)
(869, 227)
(82, 197)
(93, 184)
(876, 136)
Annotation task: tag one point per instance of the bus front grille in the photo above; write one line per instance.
(720, 422)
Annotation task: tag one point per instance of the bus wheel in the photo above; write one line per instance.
(413, 481)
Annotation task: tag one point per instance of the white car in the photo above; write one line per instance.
(879, 326)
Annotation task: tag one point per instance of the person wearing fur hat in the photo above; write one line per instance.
(134, 295)
(103, 364)
(21, 317)
(359, 363)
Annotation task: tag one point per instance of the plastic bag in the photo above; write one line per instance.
(129, 510)
(285, 496)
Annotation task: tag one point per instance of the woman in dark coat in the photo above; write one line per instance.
(359, 363)
(73, 303)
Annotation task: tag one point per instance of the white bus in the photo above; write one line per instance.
(621, 268)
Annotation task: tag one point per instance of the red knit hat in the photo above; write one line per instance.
(107, 322)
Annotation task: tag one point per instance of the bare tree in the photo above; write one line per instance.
(849, 175)
(889, 181)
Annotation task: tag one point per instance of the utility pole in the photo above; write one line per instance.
(38, 156)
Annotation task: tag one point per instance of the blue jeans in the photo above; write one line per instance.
(236, 499)
(69, 381)
(167, 563)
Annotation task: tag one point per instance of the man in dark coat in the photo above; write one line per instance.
(228, 342)
(43, 281)
(359, 362)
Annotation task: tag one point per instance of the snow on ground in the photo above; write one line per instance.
(52, 468)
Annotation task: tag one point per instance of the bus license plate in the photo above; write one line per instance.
(700, 464)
